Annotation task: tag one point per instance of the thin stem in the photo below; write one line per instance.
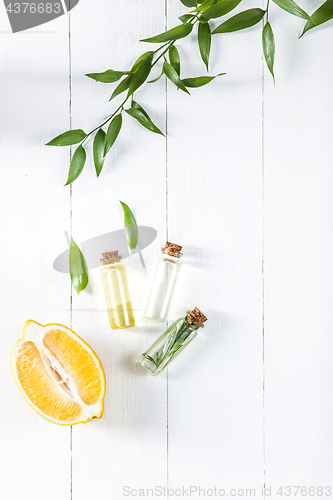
(107, 120)
(164, 52)
(267, 11)
(171, 43)
(161, 47)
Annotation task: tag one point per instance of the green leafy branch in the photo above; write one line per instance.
(203, 11)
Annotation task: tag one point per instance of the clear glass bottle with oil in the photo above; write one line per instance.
(172, 342)
(116, 291)
(163, 282)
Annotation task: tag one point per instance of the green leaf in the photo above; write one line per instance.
(240, 21)
(155, 79)
(220, 9)
(268, 45)
(108, 76)
(123, 85)
(189, 3)
(199, 81)
(77, 268)
(174, 34)
(112, 133)
(136, 105)
(68, 138)
(185, 18)
(140, 75)
(150, 359)
(206, 4)
(77, 164)
(141, 58)
(320, 16)
(137, 112)
(131, 228)
(204, 40)
(174, 58)
(292, 7)
(173, 76)
(98, 150)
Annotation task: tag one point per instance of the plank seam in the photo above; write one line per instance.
(263, 252)
(167, 239)
(70, 216)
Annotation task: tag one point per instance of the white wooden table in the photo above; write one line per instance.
(244, 183)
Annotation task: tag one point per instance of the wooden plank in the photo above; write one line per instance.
(127, 447)
(214, 206)
(298, 264)
(35, 455)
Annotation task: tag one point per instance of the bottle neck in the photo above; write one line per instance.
(112, 264)
(169, 258)
(189, 323)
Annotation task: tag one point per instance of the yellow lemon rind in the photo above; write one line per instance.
(89, 349)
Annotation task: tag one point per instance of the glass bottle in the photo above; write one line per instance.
(172, 342)
(116, 291)
(163, 282)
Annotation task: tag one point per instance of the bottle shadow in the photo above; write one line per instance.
(137, 400)
(134, 399)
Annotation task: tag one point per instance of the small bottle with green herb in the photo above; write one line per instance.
(172, 342)
(116, 291)
(163, 282)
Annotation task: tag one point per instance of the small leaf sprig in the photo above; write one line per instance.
(203, 11)
(77, 268)
(131, 228)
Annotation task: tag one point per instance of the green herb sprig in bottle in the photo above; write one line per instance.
(172, 342)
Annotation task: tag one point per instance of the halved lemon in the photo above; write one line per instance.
(58, 374)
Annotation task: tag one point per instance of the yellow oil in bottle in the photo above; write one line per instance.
(116, 291)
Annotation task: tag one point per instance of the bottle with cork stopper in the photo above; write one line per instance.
(172, 342)
(116, 291)
(163, 282)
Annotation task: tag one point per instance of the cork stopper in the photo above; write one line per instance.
(196, 317)
(172, 250)
(111, 257)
